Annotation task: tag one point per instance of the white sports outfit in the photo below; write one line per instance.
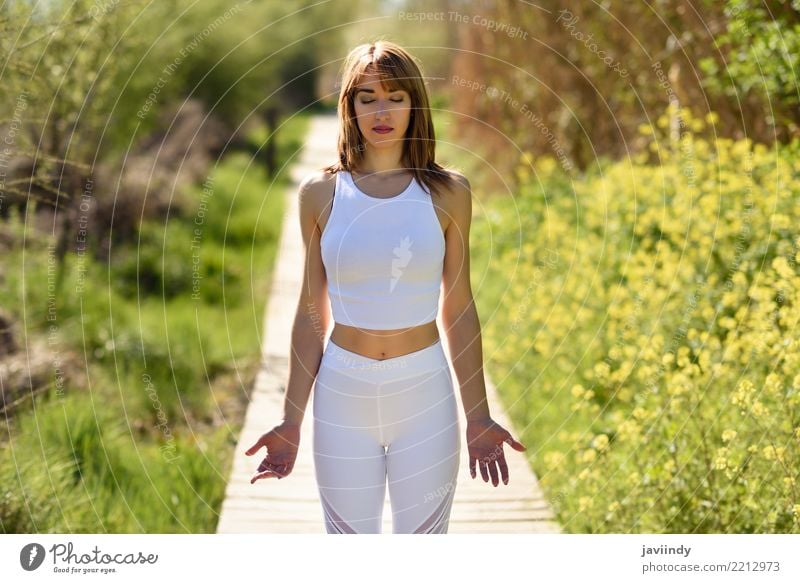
(395, 419)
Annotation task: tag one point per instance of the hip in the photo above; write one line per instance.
(350, 384)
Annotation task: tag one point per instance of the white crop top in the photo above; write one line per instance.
(383, 257)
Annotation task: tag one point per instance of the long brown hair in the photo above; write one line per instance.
(397, 69)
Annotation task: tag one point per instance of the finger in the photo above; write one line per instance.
(503, 469)
(515, 444)
(268, 464)
(472, 467)
(493, 472)
(260, 475)
(255, 447)
(484, 471)
(280, 469)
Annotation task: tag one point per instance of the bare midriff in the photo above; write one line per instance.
(383, 344)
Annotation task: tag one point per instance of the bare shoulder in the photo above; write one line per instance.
(458, 197)
(461, 186)
(316, 191)
(317, 184)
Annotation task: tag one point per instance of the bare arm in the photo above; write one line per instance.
(459, 314)
(308, 337)
(313, 313)
(485, 437)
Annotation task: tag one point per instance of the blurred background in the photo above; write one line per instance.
(635, 168)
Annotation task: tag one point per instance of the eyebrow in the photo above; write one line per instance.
(359, 89)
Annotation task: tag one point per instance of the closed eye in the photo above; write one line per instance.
(395, 100)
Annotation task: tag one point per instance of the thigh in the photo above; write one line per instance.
(349, 461)
(422, 458)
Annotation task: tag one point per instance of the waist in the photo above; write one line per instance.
(384, 344)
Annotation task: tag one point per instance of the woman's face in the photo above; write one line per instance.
(377, 110)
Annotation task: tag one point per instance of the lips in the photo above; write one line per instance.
(382, 129)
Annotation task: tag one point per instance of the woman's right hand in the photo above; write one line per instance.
(281, 442)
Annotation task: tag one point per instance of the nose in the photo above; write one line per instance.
(382, 110)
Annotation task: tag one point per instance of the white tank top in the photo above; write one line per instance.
(383, 257)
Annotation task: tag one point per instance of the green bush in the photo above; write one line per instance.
(647, 336)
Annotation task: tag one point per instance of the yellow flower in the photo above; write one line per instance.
(772, 384)
(584, 503)
(578, 391)
(676, 389)
(728, 435)
(589, 455)
(629, 428)
(645, 129)
(554, 459)
(600, 442)
(743, 394)
(625, 395)
(615, 505)
(758, 409)
(601, 369)
(780, 221)
(721, 461)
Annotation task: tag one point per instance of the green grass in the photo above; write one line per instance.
(145, 443)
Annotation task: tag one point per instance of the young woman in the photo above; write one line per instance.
(393, 229)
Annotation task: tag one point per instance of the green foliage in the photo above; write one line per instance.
(642, 321)
(208, 253)
(74, 467)
(141, 450)
(763, 55)
(161, 263)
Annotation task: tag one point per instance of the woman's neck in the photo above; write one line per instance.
(385, 164)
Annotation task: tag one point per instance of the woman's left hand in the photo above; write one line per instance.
(485, 440)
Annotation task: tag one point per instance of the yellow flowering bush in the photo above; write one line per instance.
(643, 321)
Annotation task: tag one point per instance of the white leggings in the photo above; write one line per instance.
(376, 419)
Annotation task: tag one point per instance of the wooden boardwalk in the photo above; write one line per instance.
(292, 505)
